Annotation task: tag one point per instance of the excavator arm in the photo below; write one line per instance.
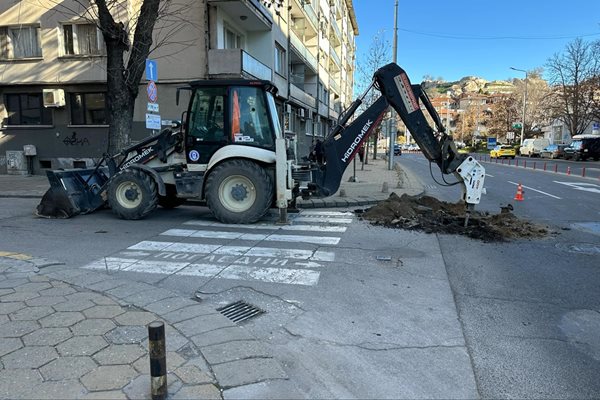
(346, 138)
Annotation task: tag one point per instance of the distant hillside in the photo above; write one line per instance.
(468, 84)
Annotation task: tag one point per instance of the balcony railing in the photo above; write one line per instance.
(303, 51)
(312, 15)
(334, 56)
(236, 63)
(336, 30)
(303, 97)
(334, 85)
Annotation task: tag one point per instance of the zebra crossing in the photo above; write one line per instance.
(210, 249)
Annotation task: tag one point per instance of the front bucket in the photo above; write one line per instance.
(72, 192)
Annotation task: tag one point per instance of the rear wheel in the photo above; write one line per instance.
(239, 192)
(132, 194)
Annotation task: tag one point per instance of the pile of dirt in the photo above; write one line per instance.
(428, 214)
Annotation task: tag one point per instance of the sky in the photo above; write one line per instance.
(483, 38)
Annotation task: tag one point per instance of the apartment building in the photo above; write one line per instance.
(53, 70)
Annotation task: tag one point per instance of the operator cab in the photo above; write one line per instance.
(223, 113)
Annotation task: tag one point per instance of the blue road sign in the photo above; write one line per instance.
(491, 143)
(151, 70)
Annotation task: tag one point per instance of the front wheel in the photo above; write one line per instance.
(239, 192)
(132, 194)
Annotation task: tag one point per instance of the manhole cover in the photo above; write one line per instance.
(585, 248)
(240, 311)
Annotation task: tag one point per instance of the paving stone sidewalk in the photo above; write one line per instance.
(69, 333)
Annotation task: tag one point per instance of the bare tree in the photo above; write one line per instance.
(504, 113)
(377, 56)
(572, 76)
(130, 35)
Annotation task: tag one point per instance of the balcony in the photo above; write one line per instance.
(335, 58)
(336, 30)
(250, 15)
(236, 63)
(302, 97)
(334, 86)
(312, 15)
(303, 52)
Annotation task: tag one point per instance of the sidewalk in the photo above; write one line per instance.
(75, 333)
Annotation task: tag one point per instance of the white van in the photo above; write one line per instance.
(533, 147)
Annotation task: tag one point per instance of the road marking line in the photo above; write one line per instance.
(535, 190)
(236, 272)
(297, 254)
(251, 236)
(324, 220)
(264, 274)
(314, 228)
(329, 213)
(491, 176)
(587, 187)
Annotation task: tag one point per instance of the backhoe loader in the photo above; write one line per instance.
(230, 153)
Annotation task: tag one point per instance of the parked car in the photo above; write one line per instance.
(397, 150)
(503, 150)
(583, 147)
(553, 151)
(533, 147)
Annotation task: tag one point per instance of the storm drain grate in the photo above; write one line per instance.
(240, 311)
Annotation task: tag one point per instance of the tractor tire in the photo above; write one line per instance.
(132, 194)
(239, 192)
(170, 200)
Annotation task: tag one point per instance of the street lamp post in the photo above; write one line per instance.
(524, 104)
(392, 137)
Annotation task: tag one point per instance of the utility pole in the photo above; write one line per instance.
(393, 113)
(524, 104)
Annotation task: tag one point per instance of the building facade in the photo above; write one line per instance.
(53, 70)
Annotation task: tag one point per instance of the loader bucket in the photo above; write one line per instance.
(72, 192)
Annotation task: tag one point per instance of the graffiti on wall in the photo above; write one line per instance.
(73, 140)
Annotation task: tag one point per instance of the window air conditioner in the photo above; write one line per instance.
(54, 97)
(288, 108)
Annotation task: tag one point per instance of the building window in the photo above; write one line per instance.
(88, 108)
(232, 39)
(82, 39)
(20, 42)
(27, 109)
(280, 64)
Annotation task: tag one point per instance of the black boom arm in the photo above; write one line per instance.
(343, 142)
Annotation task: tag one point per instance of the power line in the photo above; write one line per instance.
(465, 37)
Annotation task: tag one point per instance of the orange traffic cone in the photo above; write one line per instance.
(519, 195)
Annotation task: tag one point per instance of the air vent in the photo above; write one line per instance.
(240, 311)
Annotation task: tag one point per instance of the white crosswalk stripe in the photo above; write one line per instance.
(188, 256)
(251, 236)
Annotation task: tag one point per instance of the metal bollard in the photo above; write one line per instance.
(158, 360)
(534, 165)
(384, 187)
(583, 172)
(555, 168)
(568, 170)
(544, 165)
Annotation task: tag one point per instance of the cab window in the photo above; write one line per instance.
(250, 120)
(207, 115)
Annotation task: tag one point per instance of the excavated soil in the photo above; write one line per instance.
(430, 215)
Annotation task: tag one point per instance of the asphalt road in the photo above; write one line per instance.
(373, 312)
(529, 309)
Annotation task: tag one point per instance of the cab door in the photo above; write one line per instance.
(207, 124)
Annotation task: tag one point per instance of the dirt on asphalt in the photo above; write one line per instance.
(428, 214)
